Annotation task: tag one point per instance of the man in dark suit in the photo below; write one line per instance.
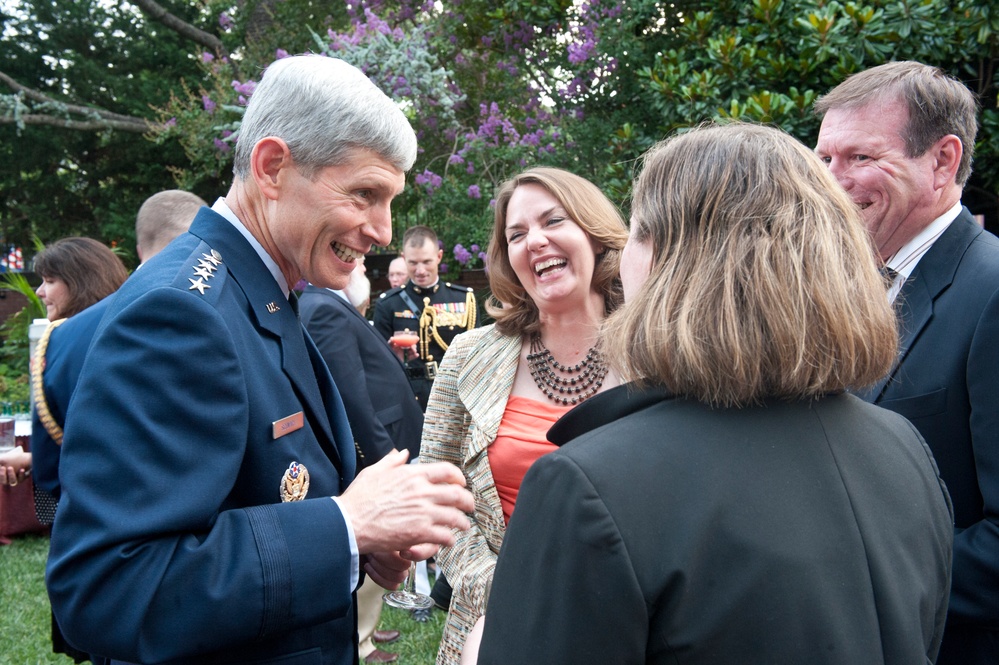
(899, 138)
(206, 438)
(380, 406)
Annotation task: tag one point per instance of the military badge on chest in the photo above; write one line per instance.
(295, 483)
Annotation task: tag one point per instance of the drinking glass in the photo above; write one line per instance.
(405, 339)
(6, 433)
(407, 598)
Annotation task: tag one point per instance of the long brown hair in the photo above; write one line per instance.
(763, 281)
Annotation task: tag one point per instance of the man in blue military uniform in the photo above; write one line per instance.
(209, 511)
(435, 311)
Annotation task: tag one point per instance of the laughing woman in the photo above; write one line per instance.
(553, 262)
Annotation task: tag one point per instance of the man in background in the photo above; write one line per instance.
(436, 311)
(899, 138)
(397, 274)
(380, 406)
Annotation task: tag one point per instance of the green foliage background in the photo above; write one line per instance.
(490, 88)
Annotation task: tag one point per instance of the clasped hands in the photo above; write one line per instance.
(404, 512)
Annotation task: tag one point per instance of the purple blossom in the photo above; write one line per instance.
(222, 146)
(207, 102)
(280, 53)
(474, 193)
(456, 159)
(172, 122)
(225, 21)
(207, 57)
(244, 88)
(443, 267)
(474, 247)
(462, 255)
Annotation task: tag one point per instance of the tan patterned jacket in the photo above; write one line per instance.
(463, 415)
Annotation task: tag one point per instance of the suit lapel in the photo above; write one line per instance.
(275, 315)
(933, 275)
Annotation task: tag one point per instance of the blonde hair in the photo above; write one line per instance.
(763, 281)
(587, 206)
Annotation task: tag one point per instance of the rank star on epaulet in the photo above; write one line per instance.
(198, 284)
(202, 272)
(214, 257)
(205, 264)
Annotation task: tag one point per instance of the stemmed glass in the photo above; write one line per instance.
(407, 598)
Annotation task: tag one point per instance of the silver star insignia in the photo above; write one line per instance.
(207, 265)
(214, 257)
(203, 272)
(199, 285)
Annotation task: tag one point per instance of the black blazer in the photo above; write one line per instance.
(669, 532)
(947, 384)
(380, 404)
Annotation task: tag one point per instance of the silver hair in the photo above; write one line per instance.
(323, 108)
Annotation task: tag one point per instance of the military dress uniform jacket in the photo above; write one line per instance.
(201, 406)
(380, 405)
(441, 312)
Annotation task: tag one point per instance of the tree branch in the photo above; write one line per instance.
(70, 108)
(136, 127)
(182, 28)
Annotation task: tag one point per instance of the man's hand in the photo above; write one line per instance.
(387, 569)
(399, 507)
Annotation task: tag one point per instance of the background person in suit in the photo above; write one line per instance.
(206, 437)
(380, 406)
(732, 503)
(899, 139)
(554, 258)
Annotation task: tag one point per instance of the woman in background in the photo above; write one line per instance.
(732, 502)
(553, 262)
(76, 274)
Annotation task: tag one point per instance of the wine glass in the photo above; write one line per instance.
(407, 598)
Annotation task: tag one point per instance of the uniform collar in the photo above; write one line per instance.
(425, 290)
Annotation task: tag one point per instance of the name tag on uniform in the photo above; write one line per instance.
(288, 424)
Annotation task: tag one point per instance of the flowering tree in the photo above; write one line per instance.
(587, 85)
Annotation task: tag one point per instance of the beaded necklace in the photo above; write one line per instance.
(563, 384)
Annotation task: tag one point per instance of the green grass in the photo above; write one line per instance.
(25, 628)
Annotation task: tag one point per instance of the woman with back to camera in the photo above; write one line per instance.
(732, 502)
(553, 262)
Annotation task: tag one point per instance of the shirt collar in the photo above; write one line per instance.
(905, 259)
(223, 209)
